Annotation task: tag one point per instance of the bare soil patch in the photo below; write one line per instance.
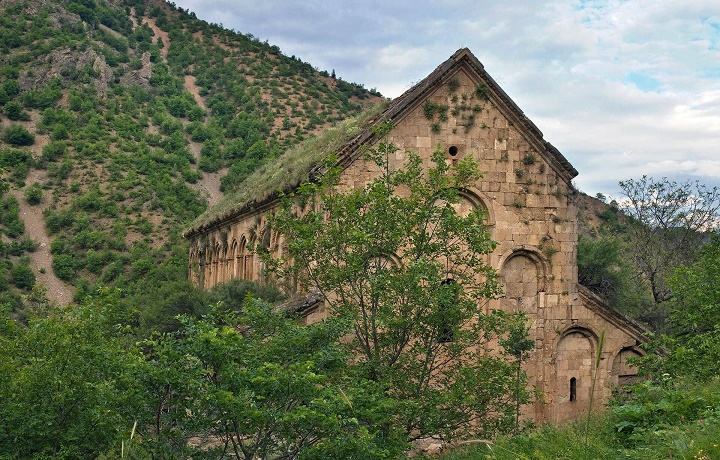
(209, 186)
(160, 35)
(194, 89)
(58, 292)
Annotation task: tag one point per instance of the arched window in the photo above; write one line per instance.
(573, 389)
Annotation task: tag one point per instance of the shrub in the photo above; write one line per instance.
(22, 276)
(15, 112)
(17, 135)
(34, 193)
(53, 151)
(64, 266)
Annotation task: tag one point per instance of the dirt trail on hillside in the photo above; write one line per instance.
(160, 35)
(209, 186)
(57, 291)
(194, 90)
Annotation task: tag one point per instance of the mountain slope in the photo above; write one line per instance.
(121, 120)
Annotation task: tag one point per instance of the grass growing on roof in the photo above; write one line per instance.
(290, 169)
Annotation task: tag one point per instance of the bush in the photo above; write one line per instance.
(17, 135)
(22, 276)
(53, 151)
(34, 193)
(64, 266)
(15, 112)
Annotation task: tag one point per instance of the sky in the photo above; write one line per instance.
(623, 88)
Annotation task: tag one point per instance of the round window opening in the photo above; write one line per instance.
(453, 151)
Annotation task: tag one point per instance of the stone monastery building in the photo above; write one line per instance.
(526, 190)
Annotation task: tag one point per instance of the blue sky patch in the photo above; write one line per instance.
(642, 81)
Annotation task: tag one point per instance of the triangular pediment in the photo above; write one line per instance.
(463, 61)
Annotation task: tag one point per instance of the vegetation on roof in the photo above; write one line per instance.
(290, 169)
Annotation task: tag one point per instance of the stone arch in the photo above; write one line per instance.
(470, 201)
(207, 270)
(474, 199)
(231, 256)
(244, 260)
(216, 264)
(384, 260)
(523, 274)
(624, 373)
(574, 356)
(195, 265)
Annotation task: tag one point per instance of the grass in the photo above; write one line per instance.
(290, 169)
(691, 440)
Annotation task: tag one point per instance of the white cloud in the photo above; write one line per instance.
(622, 88)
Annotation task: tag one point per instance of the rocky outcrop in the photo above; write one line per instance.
(104, 75)
(141, 76)
(64, 62)
(58, 16)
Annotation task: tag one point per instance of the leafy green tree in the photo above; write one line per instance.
(22, 276)
(397, 262)
(604, 269)
(64, 382)
(695, 315)
(262, 385)
(15, 112)
(670, 222)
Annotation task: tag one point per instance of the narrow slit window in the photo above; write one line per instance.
(573, 389)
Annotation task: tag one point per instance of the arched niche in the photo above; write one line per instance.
(624, 372)
(217, 264)
(196, 264)
(470, 201)
(573, 357)
(244, 260)
(207, 271)
(382, 262)
(523, 276)
(473, 199)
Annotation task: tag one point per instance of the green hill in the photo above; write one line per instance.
(121, 121)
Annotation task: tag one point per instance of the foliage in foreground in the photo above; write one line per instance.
(254, 384)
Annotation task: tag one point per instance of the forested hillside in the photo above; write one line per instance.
(121, 121)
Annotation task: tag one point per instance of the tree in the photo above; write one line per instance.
(603, 268)
(15, 112)
(22, 276)
(64, 381)
(671, 222)
(397, 262)
(695, 315)
(259, 385)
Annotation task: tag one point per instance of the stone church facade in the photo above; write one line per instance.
(527, 192)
